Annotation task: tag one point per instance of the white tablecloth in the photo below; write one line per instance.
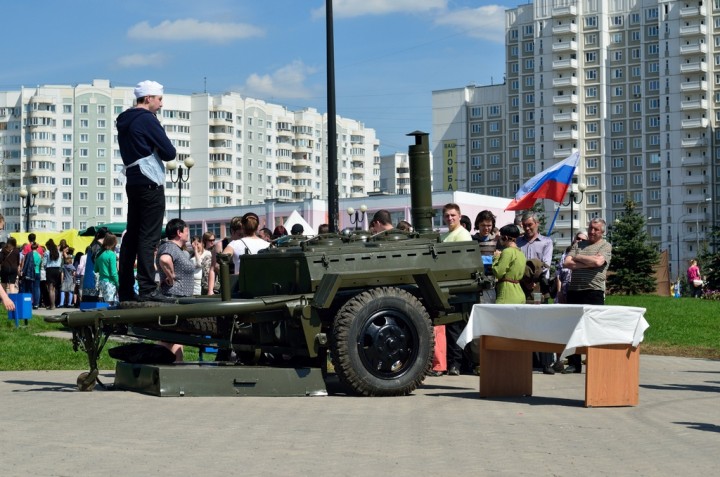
(570, 325)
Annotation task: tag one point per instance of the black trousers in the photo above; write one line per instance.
(583, 297)
(146, 209)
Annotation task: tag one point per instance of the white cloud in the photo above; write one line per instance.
(486, 22)
(356, 8)
(191, 29)
(285, 82)
(141, 60)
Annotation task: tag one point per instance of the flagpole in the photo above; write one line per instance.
(552, 224)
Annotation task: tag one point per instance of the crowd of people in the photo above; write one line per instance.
(144, 268)
(48, 272)
(519, 258)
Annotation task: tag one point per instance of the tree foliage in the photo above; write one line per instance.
(634, 256)
(709, 260)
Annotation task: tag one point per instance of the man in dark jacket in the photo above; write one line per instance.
(144, 147)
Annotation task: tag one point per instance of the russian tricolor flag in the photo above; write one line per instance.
(551, 183)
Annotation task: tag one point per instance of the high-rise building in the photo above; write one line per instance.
(395, 173)
(633, 86)
(61, 142)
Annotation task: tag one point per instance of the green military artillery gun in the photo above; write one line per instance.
(368, 300)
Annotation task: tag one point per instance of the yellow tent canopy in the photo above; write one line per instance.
(71, 237)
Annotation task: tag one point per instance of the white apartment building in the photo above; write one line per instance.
(61, 141)
(395, 173)
(633, 85)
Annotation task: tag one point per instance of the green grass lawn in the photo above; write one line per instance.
(22, 349)
(678, 327)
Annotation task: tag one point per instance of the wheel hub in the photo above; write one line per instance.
(387, 344)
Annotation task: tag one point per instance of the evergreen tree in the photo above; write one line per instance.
(709, 261)
(633, 255)
(539, 210)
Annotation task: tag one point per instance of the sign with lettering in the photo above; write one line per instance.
(450, 171)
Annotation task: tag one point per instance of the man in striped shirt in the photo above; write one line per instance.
(589, 260)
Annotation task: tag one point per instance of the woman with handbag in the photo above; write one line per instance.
(694, 279)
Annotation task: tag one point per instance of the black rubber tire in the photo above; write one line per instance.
(382, 343)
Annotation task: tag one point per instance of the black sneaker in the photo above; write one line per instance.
(453, 371)
(155, 295)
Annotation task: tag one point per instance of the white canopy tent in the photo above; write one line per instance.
(296, 218)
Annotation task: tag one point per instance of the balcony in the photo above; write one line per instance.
(693, 30)
(562, 153)
(565, 28)
(307, 150)
(690, 12)
(698, 217)
(562, 46)
(690, 86)
(697, 141)
(694, 67)
(564, 11)
(695, 104)
(565, 99)
(565, 81)
(565, 135)
(696, 179)
(696, 160)
(693, 199)
(695, 123)
(565, 117)
(568, 64)
(693, 49)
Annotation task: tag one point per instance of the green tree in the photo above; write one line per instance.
(634, 256)
(709, 260)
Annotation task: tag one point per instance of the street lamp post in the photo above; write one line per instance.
(28, 201)
(575, 196)
(359, 215)
(172, 166)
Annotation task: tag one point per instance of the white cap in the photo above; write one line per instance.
(148, 88)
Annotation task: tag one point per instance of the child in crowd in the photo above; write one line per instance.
(106, 267)
(67, 288)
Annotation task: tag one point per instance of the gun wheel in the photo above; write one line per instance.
(382, 343)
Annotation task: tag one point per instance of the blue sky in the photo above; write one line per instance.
(389, 54)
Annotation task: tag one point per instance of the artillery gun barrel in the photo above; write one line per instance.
(167, 314)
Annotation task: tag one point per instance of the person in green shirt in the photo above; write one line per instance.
(509, 267)
(106, 267)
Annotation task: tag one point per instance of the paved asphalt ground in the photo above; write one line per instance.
(48, 428)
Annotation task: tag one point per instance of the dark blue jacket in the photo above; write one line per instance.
(139, 134)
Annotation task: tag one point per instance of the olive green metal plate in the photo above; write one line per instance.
(212, 379)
